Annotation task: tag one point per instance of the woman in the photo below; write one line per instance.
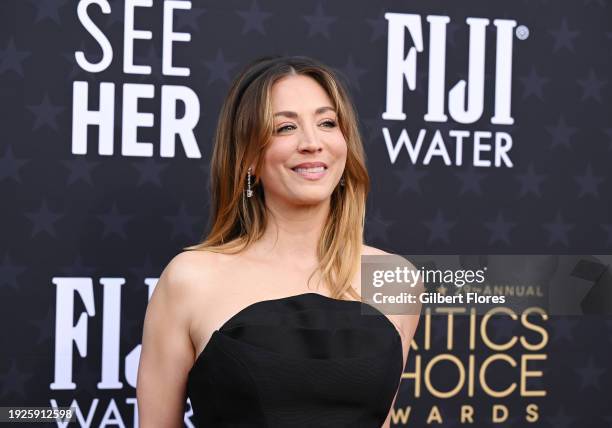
(236, 323)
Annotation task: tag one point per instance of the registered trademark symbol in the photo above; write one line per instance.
(522, 32)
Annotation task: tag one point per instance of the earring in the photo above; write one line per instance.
(342, 181)
(249, 192)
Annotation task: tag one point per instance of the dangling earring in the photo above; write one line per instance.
(342, 181)
(249, 192)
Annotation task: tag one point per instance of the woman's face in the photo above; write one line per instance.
(305, 158)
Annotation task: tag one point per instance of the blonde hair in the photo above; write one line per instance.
(244, 129)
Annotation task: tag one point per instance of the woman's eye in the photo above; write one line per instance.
(286, 127)
(327, 124)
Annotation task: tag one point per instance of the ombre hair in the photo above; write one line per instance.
(244, 129)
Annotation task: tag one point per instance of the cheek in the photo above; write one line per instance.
(339, 147)
(277, 156)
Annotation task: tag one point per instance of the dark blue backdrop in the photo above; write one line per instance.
(70, 212)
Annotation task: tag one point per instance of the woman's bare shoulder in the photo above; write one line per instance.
(408, 322)
(368, 250)
(183, 265)
(401, 260)
(191, 271)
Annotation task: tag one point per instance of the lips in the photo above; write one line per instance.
(310, 170)
(306, 165)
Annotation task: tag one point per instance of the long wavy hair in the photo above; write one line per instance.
(244, 129)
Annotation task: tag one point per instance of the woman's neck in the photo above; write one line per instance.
(292, 233)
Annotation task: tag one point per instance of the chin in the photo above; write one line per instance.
(311, 199)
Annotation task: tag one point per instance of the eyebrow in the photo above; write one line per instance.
(294, 114)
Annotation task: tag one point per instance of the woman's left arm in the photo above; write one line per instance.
(407, 327)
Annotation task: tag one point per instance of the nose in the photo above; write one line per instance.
(309, 141)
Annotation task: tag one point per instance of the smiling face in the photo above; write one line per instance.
(306, 156)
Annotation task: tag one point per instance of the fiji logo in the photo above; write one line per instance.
(466, 98)
(402, 65)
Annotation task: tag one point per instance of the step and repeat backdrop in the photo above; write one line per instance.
(487, 127)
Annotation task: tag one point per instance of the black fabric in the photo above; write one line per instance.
(300, 361)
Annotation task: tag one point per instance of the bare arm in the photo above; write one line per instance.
(167, 352)
(407, 325)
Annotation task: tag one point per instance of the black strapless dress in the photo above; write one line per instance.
(301, 361)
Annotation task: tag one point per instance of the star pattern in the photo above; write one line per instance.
(149, 171)
(377, 228)
(590, 374)
(530, 182)
(254, 19)
(561, 419)
(499, 229)
(11, 58)
(114, 223)
(219, 68)
(470, 181)
(588, 183)
(9, 273)
(46, 114)
(592, 87)
(10, 165)
(189, 19)
(183, 224)
(43, 220)
(561, 133)
(319, 22)
(564, 38)
(558, 231)
(410, 179)
(563, 329)
(439, 228)
(48, 9)
(533, 84)
(80, 169)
